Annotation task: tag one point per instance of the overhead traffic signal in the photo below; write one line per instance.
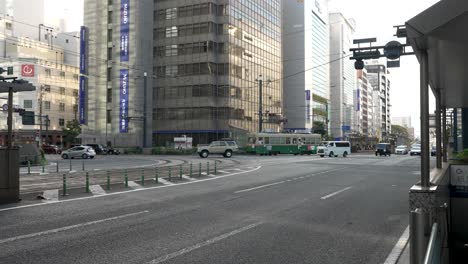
(9, 70)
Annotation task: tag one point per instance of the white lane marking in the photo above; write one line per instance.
(398, 248)
(188, 178)
(335, 193)
(202, 244)
(50, 195)
(129, 191)
(97, 190)
(260, 187)
(134, 185)
(163, 181)
(61, 229)
(222, 171)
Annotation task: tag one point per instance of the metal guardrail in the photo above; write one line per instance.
(434, 248)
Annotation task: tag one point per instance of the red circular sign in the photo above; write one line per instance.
(27, 70)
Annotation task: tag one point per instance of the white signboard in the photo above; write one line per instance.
(183, 142)
(459, 175)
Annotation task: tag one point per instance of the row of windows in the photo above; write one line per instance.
(203, 90)
(189, 11)
(62, 74)
(188, 30)
(203, 113)
(61, 90)
(203, 68)
(189, 48)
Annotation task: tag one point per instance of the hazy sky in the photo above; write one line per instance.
(376, 18)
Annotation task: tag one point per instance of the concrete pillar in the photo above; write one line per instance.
(438, 122)
(455, 129)
(424, 105)
(9, 175)
(464, 128)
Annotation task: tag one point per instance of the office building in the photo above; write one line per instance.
(306, 70)
(364, 105)
(404, 121)
(208, 57)
(54, 102)
(378, 76)
(116, 72)
(342, 77)
(27, 18)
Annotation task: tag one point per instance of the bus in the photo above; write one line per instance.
(283, 143)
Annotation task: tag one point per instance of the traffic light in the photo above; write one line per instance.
(9, 70)
(28, 118)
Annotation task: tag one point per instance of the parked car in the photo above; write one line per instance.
(433, 151)
(51, 149)
(83, 152)
(225, 148)
(415, 150)
(402, 149)
(100, 149)
(111, 151)
(383, 149)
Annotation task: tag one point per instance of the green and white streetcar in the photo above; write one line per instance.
(283, 143)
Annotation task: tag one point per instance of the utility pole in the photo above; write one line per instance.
(10, 117)
(260, 104)
(40, 117)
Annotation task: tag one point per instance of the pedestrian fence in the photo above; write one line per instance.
(109, 179)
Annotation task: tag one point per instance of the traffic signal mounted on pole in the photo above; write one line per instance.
(9, 70)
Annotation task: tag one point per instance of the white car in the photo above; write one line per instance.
(415, 150)
(402, 149)
(83, 152)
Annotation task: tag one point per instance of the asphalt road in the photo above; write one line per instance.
(273, 210)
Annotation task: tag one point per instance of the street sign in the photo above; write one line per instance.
(27, 70)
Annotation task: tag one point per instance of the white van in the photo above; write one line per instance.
(334, 149)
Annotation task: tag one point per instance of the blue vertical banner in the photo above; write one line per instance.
(83, 95)
(358, 100)
(82, 101)
(308, 112)
(123, 120)
(124, 29)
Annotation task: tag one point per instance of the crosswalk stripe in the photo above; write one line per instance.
(163, 181)
(97, 190)
(134, 185)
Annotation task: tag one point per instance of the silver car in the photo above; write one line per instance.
(83, 152)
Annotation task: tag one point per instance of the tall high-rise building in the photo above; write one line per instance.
(342, 76)
(404, 121)
(208, 58)
(378, 76)
(364, 105)
(117, 72)
(306, 69)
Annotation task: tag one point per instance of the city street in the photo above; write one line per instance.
(283, 209)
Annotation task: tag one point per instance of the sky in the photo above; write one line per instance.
(376, 18)
(71, 10)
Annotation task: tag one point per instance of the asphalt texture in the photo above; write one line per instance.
(284, 209)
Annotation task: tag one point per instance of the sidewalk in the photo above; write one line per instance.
(405, 256)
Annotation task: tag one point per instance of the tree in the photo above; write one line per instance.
(71, 132)
(319, 128)
(401, 133)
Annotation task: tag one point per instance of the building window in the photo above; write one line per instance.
(109, 116)
(109, 74)
(171, 32)
(62, 90)
(109, 35)
(62, 107)
(75, 93)
(47, 105)
(109, 17)
(67, 41)
(171, 13)
(8, 26)
(47, 88)
(62, 75)
(27, 103)
(171, 70)
(109, 54)
(48, 73)
(76, 77)
(61, 122)
(109, 95)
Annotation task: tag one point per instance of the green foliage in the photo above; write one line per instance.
(71, 132)
(320, 112)
(319, 128)
(319, 99)
(463, 154)
(133, 150)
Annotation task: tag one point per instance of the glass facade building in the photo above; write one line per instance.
(207, 58)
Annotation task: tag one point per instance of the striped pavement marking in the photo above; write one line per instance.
(97, 190)
(187, 178)
(163, 181)
(50, 196)
(134, 185)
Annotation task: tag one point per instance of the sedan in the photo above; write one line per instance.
(401, 150)
(83, 152)
(415, 150)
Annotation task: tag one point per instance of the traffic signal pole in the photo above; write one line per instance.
(10, 117)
